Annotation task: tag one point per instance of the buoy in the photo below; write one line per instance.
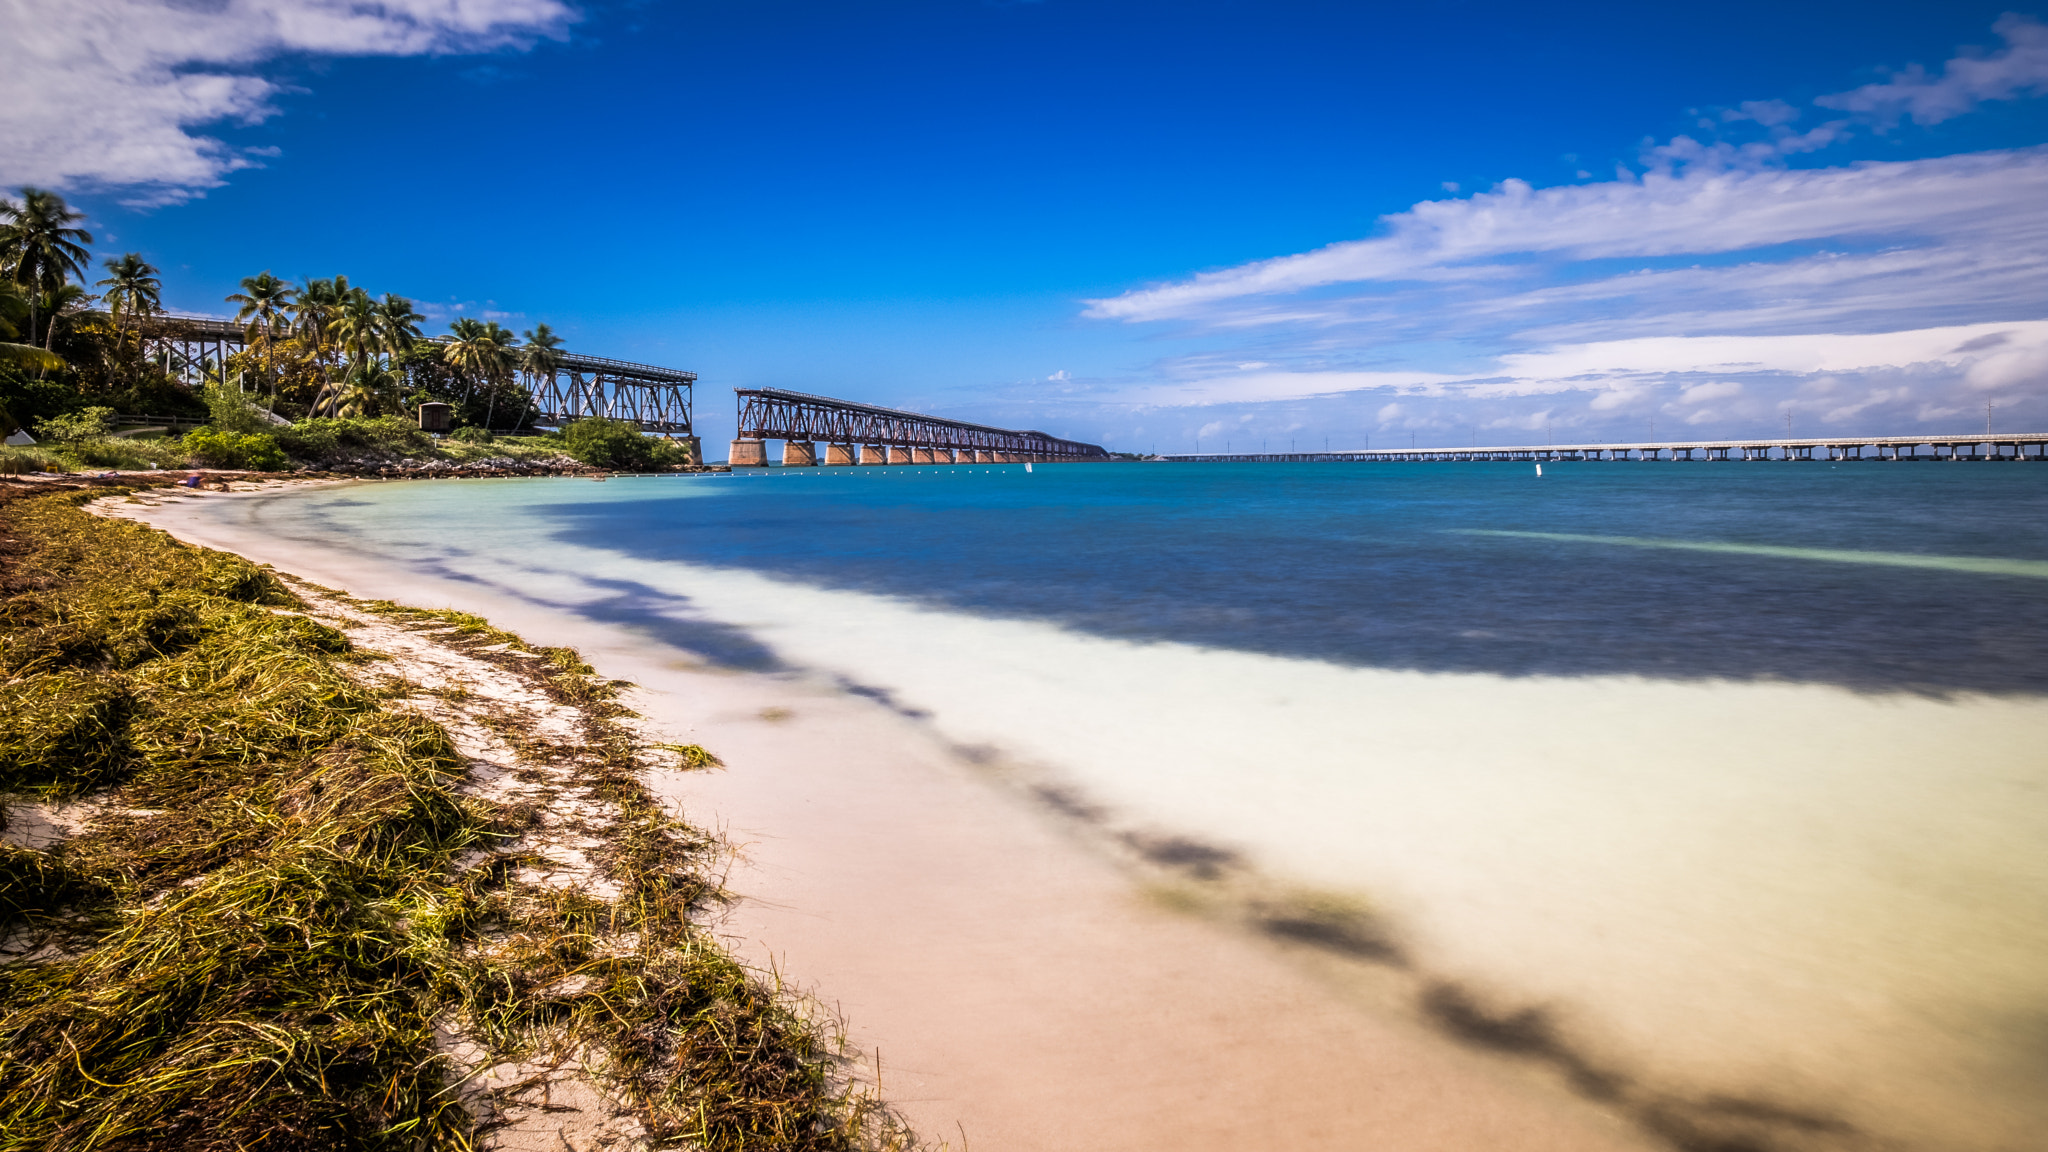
(1539, 469)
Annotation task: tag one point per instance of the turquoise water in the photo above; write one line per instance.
(1733, 771)
(1923, 577)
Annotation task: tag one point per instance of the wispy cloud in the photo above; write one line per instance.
(1713, 283)
(2018, 69)
(107, 93)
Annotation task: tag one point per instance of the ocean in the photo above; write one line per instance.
(1735, 774)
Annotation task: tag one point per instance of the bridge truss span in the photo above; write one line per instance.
(880, 433)
(657, 400)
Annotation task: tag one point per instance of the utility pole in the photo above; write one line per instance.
(1987, 418)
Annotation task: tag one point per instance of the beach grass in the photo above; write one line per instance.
(285, 904)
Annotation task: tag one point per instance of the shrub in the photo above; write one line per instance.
(18, 461)
(317, 438)
(472, 435)
(617, 444)
(121, 452)
(215, 448)
(230, 410)
(73, 427)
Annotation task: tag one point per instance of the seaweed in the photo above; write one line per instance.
(286, 900)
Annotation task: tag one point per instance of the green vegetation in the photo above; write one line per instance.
(286, 892)
(617, 444)
(325, 350)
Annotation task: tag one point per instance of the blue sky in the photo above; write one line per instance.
(1124, 222)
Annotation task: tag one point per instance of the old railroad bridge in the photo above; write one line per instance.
(660, 400)
(866, 434)
(656, 399)
(1963, 446)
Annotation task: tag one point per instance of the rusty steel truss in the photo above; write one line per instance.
(660, 400)
(776, 414)
(655, 399)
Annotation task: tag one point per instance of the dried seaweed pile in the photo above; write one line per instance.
(286, 899)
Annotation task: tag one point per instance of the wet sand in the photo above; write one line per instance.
(1018, 989)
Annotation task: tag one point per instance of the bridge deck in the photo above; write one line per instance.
(780, 414)
(654, 398)
(1788, 447)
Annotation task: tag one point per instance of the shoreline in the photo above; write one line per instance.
(355, 872)
(1020, 985)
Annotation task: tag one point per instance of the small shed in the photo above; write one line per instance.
(436, 417)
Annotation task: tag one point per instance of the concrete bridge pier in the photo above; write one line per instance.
(922, 456)
(838, 455)
(749, 454)
(901, 455)
(984, 456)
(799, 454)
(873, 454)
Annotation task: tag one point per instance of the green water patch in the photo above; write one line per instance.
(1982, 565)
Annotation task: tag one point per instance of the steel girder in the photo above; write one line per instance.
(778, 414)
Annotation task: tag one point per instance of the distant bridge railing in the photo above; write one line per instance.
(1963, 446)
(881, 435)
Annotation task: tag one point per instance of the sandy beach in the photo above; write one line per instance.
(1016, 987)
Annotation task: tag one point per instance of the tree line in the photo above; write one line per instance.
(322, 348)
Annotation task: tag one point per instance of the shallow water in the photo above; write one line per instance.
(1735, 772)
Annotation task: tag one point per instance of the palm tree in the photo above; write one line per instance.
(357, 394)
(356, 326)
(14, 308)
(319, 302)
(58, 307)
(398, 328)
(39, 248)
(541, 357)
(263, 301)
(131, 286)
(481, 353)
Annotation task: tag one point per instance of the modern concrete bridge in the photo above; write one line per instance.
(2031, 446)
(866, 434)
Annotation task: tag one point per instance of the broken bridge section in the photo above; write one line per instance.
(194, 350)
(856, 433)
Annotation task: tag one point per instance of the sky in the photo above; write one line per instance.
(1154, 226)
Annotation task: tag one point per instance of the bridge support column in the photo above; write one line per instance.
(922, 456)
(799, 454)
(898, 454)
(749, 454)
(984, 456)
(839, 454)
(873, 454)
(693, 449)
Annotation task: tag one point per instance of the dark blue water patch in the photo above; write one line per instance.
(1371, 565)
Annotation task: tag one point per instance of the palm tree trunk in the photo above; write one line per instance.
(32, 331)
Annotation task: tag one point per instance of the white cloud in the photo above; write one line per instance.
(1717, 284)
(2018, 69)
(104, 93)
(1663, 214)
(1712, 390)
(1268, 386)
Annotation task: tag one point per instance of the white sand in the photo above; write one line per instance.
(1017, 987)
